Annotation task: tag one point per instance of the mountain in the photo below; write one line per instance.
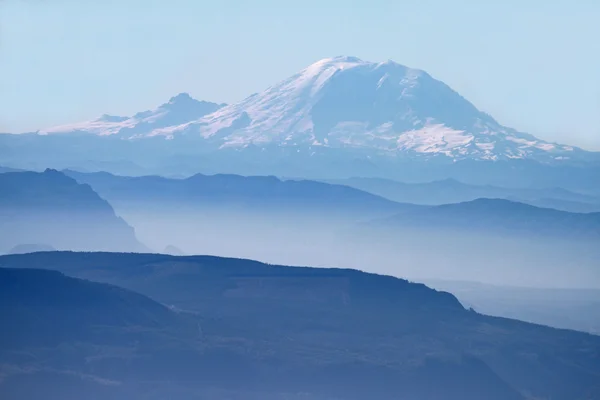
(55, 210)
(235, 191)
(381, 107)
(178, 110)
(273, 332)
(499, 216)
(452, 191)
(345, 102)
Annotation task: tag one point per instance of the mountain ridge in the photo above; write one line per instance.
(314, 331)
(454, 191)
(179, 109)
(238, 190)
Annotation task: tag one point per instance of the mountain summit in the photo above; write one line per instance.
(375, 109)
(179, 109)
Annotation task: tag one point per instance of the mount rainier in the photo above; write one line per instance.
(377, 109)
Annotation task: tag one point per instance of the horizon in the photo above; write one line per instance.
(154, 51)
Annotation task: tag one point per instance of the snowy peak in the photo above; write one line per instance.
(184, 101)
(343, 102)
(322, 72)
(304, 108)
(378, 108)
(181, 98)
(178, 110)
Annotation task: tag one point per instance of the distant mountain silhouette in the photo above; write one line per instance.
(452, 191)
(498, 216)
(55, 210)
(256, 192)
(273, 332)
(240, 216)
(30, 248)
(291, 222)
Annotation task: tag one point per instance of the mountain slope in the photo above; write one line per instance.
(347, 103)
(331, 333)
(55, 210)
(69, 338)
(46, 308)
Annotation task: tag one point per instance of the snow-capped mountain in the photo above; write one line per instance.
(380, 109)
(178, 110)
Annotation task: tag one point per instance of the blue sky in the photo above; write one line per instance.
(532, 64)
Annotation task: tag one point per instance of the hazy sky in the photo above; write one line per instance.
(532, 64)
